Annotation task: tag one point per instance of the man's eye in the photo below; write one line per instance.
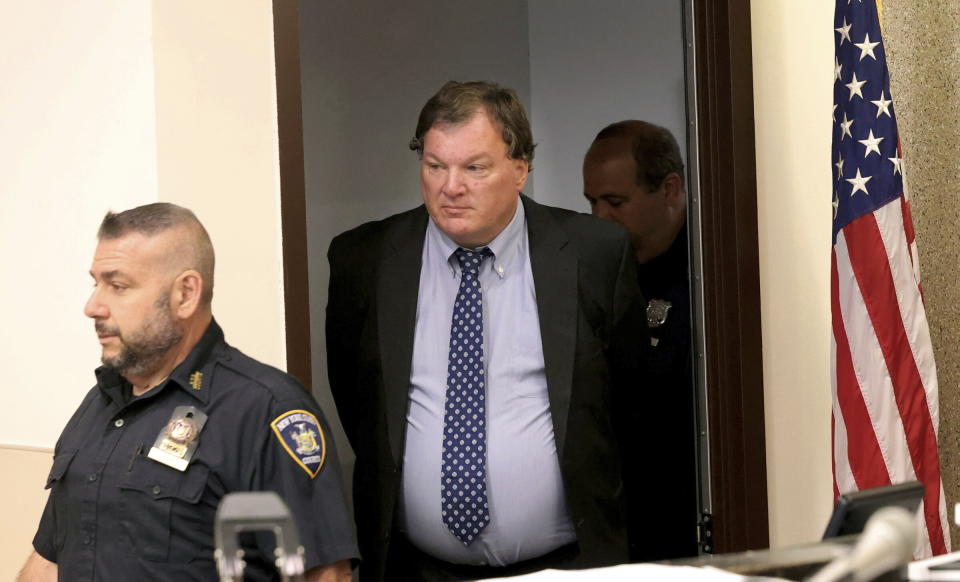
(614, 203)
(475, 168)
(118, 287)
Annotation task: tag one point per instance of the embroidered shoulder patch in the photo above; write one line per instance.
(301, 436)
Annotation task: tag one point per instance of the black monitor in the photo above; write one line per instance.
(853, 510)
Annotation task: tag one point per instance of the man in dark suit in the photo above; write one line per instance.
(485, 361)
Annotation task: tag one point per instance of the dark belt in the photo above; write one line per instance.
(407, 563)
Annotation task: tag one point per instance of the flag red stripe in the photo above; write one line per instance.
(863, 450)
(866, 249)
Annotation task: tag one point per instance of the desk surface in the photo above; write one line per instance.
(793, 563)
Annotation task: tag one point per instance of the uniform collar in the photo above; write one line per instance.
(192, 375)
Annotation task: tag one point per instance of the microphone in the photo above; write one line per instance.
(251, 511)
(887, 542)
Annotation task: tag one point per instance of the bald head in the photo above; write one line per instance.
(183, 241)
(633, 175)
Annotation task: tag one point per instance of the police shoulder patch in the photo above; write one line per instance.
(302, 437)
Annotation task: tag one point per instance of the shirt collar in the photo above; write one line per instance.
(505, 247)
(189, 375)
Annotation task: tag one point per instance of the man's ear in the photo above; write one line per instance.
(187, 290)
(522, 170)
(673, 189)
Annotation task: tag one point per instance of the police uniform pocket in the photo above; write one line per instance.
(61, 462)
(151, 493)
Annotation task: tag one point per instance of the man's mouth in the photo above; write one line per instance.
(104, 332)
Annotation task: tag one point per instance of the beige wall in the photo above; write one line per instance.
(792, 58)
(217, 153)
(116, 104)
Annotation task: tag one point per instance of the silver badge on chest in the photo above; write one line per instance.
(657, 310)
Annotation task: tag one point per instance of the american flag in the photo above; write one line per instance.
(885, 405)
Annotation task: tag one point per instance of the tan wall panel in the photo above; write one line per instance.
(24, 473)
(792, 45)
(218, 154)
(922, 39)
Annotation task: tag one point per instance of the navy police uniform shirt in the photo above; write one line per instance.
(115, 514)
(675, 513)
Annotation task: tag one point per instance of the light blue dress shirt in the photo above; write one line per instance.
(528, 513)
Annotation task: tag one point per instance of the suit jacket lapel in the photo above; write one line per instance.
(397, 289)
(554, 265)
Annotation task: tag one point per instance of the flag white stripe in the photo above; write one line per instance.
(870, 368)
(912, 312)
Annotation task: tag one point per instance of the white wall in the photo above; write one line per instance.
(76, 116)
(792, 67)
(591, 64)
(108, 105)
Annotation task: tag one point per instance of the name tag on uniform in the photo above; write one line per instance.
(177, 441)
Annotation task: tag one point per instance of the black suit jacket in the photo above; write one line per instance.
(593, 328)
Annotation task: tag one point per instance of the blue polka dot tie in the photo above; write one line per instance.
(463, 486)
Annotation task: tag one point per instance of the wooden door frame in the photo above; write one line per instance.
(728, 217)
(730, 270)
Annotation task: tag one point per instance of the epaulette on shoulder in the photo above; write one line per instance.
(278, 383)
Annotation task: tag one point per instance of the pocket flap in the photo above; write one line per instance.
(61, 462)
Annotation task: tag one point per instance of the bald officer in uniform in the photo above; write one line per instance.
(633, 175)
(178, 419)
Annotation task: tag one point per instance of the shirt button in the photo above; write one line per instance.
(118, 423)
(87, 540)
(156, 490)
(92, 477)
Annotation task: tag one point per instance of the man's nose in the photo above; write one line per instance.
(601, 210)
(95, 308)
(453, 185)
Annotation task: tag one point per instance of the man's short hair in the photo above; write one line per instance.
(654, 148)
(457, 102)
(152, 219)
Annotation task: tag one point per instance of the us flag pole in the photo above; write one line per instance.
(885, 405)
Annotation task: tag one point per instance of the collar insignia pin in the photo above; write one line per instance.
(196, 380)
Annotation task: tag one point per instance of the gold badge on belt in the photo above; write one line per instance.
(177, 441)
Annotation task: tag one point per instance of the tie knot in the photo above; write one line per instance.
(471, 260)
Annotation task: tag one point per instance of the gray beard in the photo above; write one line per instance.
(142, 352)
